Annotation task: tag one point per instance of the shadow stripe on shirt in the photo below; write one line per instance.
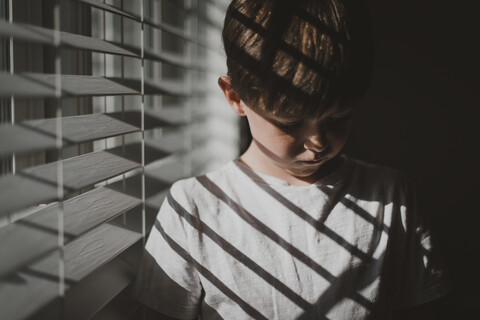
(257, 224)
(237, 254)
(358, 210)
(318, 225)
(254, 313)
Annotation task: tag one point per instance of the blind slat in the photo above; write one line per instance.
(90, 251)
(18, 139)
(14, 188)
(178, 32)
(168, 172)
(40, 182)
(21, 244)
(40, 134)
(79, 85)
(99, 246)
(105, 283)
(31, 33)
(42, 85)
(170, 143)
(83, 128)
(35, 236)
(86, 211)
(133, 152)
(172, 115)
(31, 288)
(200, 14)
(24, 293)
(166, 117)
(21, 86)
(113, 9)
(168, 58)
(110, 8)
(134, 118)
(133, 186)
(46, 36)
(166, 87)
(85, 170)
(24, 32)
(79, 302)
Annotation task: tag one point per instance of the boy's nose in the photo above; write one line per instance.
(316, 140)
(316, 144)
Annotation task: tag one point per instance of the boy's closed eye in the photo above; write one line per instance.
(293, 125)
(287, 126)
(341, 117)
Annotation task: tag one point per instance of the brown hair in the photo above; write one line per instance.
(298, 57)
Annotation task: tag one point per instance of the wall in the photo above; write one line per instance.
(421, 116)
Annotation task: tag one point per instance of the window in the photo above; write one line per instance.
(103, 104)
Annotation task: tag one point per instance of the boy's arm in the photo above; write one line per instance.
(167, 280)
(423, 279)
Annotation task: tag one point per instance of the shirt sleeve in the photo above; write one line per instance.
(167, 280)
(424, 278)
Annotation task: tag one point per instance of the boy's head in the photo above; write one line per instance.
(296, 69)
(298, 57)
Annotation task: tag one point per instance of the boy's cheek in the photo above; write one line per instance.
(274, 147)
(338, 135)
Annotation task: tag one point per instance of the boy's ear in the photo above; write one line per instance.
(233, 99)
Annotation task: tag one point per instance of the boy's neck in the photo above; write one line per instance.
(256, 160)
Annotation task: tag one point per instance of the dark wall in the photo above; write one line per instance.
(421, 116)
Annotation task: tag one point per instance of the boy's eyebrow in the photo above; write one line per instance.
(343, 111)
(289, 120)
(285, 121)
(275, 118)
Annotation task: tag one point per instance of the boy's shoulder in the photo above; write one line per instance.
(377, 182)
(354, 174)
(195, 187)
(221, 172)
(378, 172)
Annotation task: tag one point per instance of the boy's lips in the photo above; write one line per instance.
(313, 162)
(316, 161)
(319, 157)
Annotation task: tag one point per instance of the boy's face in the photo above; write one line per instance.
(291, 148)
(300, 146)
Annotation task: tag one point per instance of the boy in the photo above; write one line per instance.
(292, 229)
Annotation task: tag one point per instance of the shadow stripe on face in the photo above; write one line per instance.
(257, 224)
(318, 225)
(237, 254)
(254, 313)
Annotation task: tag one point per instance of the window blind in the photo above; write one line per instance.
(104, 104)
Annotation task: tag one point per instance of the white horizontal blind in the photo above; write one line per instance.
(104, 103)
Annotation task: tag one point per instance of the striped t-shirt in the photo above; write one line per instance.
(237, 244)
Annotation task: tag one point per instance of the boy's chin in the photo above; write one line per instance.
(316, 171)
(304, 172)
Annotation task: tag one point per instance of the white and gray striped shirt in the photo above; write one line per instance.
(236, 244)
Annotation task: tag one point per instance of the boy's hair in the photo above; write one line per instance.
(298, 57)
